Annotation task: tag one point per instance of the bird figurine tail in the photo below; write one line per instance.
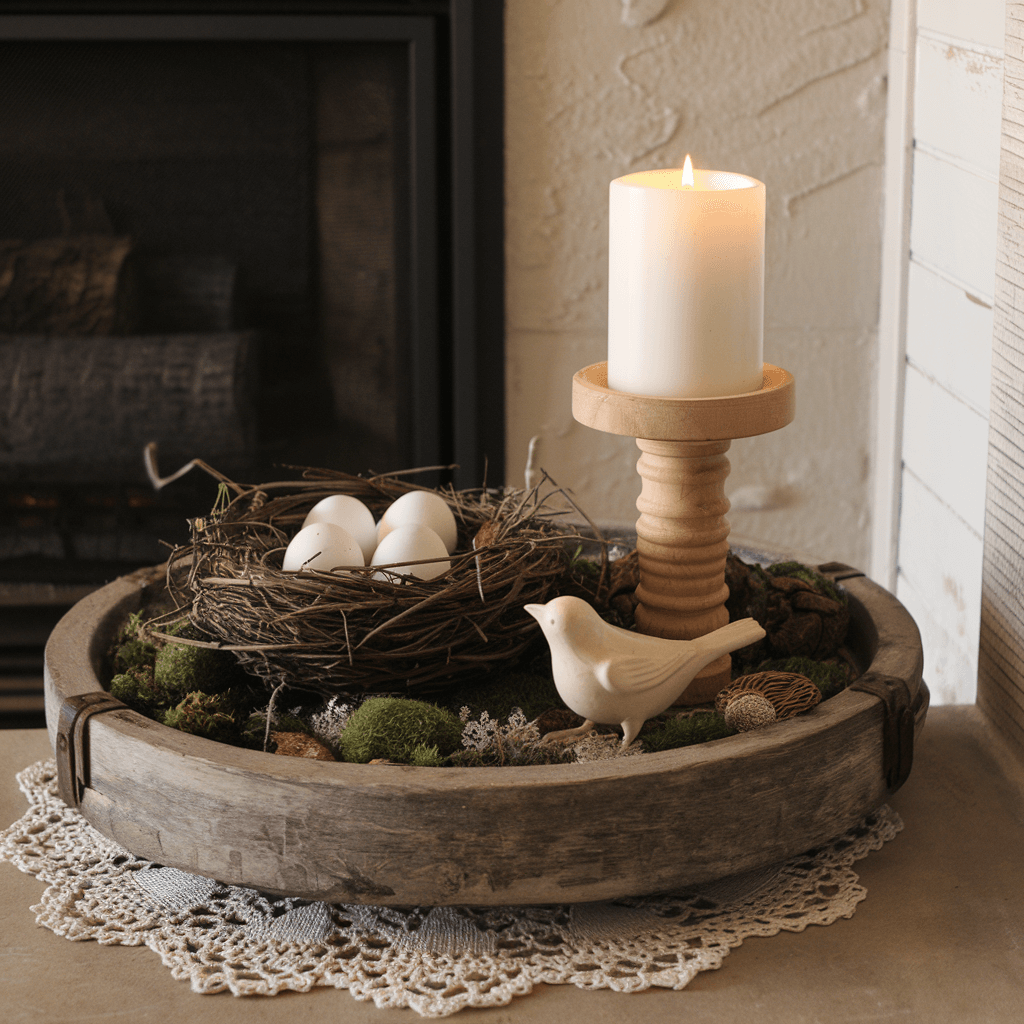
(728, 638)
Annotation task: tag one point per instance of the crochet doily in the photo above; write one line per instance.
(434, 960)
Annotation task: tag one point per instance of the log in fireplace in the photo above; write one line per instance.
(255, 233)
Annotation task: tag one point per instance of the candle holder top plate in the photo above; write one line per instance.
(596, 405)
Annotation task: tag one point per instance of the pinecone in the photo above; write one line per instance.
(802, 612)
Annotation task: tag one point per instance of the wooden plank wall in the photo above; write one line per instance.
(950, 289)
(1001, 659)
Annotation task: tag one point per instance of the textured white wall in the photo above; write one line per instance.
(789, 91)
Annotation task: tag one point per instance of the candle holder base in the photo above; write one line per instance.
(682, 532)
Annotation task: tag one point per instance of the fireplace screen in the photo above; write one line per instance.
(233, 244)
(203, 249)
(252, 239)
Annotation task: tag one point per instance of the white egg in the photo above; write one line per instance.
(424, 508)
(322, 546)
(410, 544)
(350, 514)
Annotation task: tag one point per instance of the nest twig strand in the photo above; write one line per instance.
(344, 632)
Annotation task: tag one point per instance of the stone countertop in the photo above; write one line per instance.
(939, 939)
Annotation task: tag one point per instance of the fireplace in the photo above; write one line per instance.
(266, 236)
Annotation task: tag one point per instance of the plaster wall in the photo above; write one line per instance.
(789, 91)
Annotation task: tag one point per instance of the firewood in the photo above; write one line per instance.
(74, 285)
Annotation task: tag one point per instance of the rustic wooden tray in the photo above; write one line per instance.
(546, 834)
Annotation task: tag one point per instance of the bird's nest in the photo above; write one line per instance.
(348, 633)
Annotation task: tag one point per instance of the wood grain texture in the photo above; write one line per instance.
(1001, 654)
(682, 531)
(957, 102)
(682, 543)
(952, 673)
(954, 234)
(75, 285)
(941, 557)
(80, 402)
(980, 21)
(683, 419)
(888, 420)
(396, 835)
(949, 336)
(945, 443)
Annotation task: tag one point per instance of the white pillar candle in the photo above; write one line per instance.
(685, 284)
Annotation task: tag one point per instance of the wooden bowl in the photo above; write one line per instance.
(394, 835)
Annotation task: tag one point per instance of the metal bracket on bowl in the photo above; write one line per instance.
(897, 728)
(900, 717)
(837, 571)
(72, 741)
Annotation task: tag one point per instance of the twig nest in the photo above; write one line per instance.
(788, 692)
(348, 632)
(298, 744)
(749, 711)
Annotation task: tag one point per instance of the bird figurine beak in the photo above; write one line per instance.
(534, 609)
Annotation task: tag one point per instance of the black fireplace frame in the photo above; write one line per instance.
(456, 69)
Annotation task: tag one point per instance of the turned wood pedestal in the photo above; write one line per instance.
(682, 532)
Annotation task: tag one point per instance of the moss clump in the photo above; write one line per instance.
(804, 573)
(202, 714)
(393, 727)
(495, 757)
(827, 676)
(423, 756)
(129, 628)
(134, 654)
(684, 732)
(137, 688)
(183, 668)
(529, 688)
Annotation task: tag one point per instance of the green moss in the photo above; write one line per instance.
(393, 727)
(683, 732)
(529, 688)
(827, 676)
(799, 571)
(136, 688)
(182, 668)
(584, 566)
(130, 629)
(202, 714)
(241, 700)
(426, 757)
(494, 757)
(134, 653)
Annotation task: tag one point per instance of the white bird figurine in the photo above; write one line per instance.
(613, 676)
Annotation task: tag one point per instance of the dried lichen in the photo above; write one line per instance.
(486, 741)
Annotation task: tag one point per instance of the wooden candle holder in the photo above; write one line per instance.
(682, 532)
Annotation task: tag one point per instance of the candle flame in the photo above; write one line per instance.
(688, 172)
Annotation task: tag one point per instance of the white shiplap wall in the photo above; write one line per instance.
(948, 331)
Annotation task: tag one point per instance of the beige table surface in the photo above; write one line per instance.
(939, 939)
